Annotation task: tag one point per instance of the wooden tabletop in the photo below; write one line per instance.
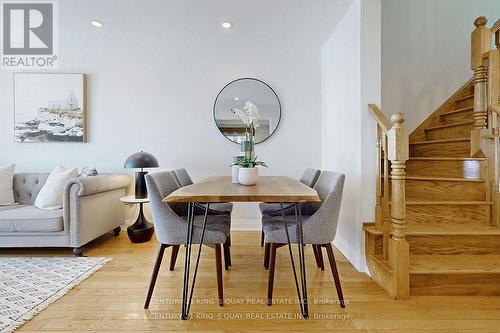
(267, 189)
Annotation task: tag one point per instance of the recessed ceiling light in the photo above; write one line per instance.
(227, 25)
(236, 98)
(96, 23)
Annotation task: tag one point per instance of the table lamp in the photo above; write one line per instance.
(141, 230)
(141, 160)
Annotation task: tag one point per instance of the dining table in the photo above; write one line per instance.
(273, 189)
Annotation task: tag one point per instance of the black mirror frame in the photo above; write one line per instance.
(248, 78)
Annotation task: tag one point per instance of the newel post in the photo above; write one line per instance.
(398, 245)
(480, 44)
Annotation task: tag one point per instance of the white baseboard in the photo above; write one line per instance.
(246, 225)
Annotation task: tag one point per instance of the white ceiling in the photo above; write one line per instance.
(195, 23)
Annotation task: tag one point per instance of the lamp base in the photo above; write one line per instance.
(142, 230)
(141, 192)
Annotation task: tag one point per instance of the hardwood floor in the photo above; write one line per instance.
(112, 299)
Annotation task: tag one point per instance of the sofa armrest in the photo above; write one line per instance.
(97, 184)
(91, 206)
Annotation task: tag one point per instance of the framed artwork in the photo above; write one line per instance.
(50, 107)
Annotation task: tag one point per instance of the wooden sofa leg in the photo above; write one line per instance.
(218, 268)
(335, 273)
(173, 256)
(270, 282)
(78, 251)
(154, 275)
(116, 231)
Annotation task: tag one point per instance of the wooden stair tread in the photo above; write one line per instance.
(449, 179)
(440, 229)
(444, 158)
(425, 202)
(451, 229)
(455, 264)
(439, 141)
(457, 111)
(371, 229)
(465, 97)
(449, 125)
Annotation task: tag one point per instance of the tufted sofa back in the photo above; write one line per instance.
(27, 185)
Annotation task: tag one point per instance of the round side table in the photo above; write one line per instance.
(141, 230)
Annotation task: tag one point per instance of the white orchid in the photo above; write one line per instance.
(248, 115)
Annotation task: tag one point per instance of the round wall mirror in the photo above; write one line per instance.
(235, 95)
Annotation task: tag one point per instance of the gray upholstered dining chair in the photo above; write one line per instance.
(171, 228)
(319, 225)
(309, 178)
(183, 179)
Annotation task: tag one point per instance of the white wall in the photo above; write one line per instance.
(351, 80)
(154, 71)
(426, 52)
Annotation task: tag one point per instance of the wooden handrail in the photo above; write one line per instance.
(495, 108)
(381, 120)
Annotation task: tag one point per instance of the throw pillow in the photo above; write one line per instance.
(51, 194)
(6, 180)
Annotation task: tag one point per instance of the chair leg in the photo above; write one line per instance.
(267, 247)
(154, 275)
(173, 256)
(336, 278)
(270, 282)
(227, 254)
(315, 250)
(319, 261)
(262, 238)
(218, 268)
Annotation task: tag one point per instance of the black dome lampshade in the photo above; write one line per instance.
(141, 160)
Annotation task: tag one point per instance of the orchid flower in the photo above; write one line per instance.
(248, 115)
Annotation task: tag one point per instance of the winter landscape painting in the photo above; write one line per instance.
(49, 107)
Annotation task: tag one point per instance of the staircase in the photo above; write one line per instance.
(436, 230)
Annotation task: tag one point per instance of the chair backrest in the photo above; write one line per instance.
(321, 227)
(182, 177)
(310, 176)
(169, 226)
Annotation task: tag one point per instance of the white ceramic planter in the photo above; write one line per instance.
(235, 170)
(248, 176)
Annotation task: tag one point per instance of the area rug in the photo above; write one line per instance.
(29, 285)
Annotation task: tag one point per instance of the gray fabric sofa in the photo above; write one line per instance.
(91, 208)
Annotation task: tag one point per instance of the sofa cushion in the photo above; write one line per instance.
(27, 186)
(13, 206)
(51, 194)
(30, 219)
